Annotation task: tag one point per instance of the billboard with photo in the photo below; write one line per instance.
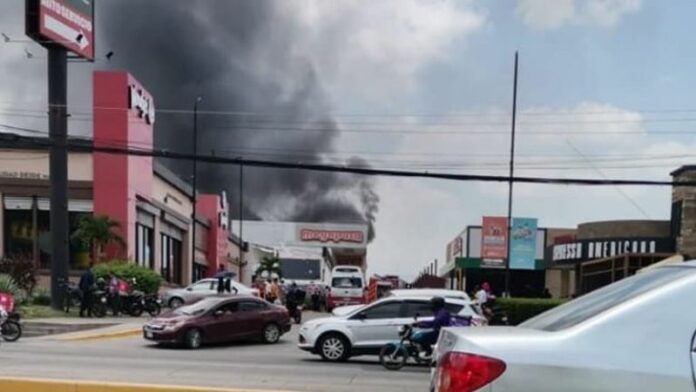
(494, 240)
(523, 243)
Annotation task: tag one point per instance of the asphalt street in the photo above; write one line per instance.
(241, 365)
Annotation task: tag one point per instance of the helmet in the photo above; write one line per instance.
(437, 303)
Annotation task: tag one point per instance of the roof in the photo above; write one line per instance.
(171, 178)
(683, 169)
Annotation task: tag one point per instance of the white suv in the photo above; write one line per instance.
(366, 329)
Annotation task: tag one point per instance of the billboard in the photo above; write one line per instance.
(523, 243)
(69, 23)
(494, 239)
(588, 249)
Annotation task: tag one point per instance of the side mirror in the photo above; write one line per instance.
(218, 313)
(189, 289)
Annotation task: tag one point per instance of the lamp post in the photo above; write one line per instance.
(194, 179)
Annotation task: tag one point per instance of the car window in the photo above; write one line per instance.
(385, 310)
(599, 301)
(251, 306)
(206, 285)
(453, 308)
(419, 309)
(229, 307)
(347, 283)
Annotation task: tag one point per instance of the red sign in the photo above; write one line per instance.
(332, 236)
(494, 238)
(69, 23)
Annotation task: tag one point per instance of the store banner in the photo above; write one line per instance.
(494, 240)
(523, 242)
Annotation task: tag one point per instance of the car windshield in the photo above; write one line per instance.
(599, 301)
(347, 283)
(197, 308)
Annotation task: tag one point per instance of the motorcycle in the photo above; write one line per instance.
(11, 329)
(394, 355)
(72, 296)
(295, 311)
(152, 304)
(100, 303)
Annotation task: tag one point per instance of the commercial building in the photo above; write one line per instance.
(152, 205)
(306, 251)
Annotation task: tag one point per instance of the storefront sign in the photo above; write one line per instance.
(223, 214)
(455, 249)
(523, 243)
(137, 99)
(23, 175)
(494, 239)
(68, 23)
(583, 250)
(335, 236)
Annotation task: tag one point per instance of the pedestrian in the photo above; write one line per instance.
(267, 290)
(482, 294)
(114, 297)
(275, 290)
(284, 289)
(220, 275)
(86, 286)
(313, 291)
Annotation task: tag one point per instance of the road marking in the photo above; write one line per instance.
(18, 384)
(96, 335)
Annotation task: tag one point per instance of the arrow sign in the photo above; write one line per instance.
(68, 33)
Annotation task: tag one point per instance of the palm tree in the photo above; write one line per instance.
(269, 266)
(96, 232)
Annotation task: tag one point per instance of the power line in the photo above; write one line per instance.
(84, 147)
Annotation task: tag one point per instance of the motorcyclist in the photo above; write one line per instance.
(443, 318)
(292, 299)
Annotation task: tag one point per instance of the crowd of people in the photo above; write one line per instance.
(279, 291)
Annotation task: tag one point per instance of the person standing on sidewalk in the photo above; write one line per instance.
(86, 287)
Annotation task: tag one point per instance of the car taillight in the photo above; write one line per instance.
(462, 372)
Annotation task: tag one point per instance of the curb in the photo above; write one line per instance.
(12, 384)
(96, 335)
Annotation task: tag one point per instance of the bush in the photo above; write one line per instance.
(147, 280)
(41, 297)
(521, 309)
(22, 270)
(9, 286)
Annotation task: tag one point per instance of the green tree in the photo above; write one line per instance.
(96, 232)
(268, 267)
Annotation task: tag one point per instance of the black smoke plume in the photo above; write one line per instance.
(242, 58)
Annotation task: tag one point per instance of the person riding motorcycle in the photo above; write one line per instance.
(293, 299)
(443, 318)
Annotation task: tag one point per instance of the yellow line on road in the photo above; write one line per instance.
(96, 335)
(13, 384)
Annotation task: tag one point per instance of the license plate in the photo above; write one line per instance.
(149, 335)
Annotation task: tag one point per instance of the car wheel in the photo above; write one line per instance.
(193, 338)
(175, 302)
(334, 348)
(271, 333)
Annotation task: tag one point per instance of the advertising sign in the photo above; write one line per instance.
(523, 242)
(494, 239)
(69, 23)
(455, 249)
(582, 250)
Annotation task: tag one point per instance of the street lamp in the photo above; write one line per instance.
(195, 178)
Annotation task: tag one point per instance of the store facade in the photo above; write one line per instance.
(153, 206)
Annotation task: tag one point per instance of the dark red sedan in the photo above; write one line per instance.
(220, 319)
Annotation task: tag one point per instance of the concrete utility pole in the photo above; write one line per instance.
(58, 169)
(510, 182)
(194, 180)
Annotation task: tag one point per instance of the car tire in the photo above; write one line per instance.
(334, 347)
(271, 333)
(193, 338)
(176, 302)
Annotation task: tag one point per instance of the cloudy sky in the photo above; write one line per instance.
(605, 91)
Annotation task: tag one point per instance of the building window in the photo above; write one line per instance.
(144, 238)
(171, 259)
(19, 234)
(199, 272)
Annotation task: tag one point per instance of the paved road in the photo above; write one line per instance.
(281, 366)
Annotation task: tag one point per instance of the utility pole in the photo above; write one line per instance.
(241, 215)
(58, 168)
(510, 182)
(194, 180)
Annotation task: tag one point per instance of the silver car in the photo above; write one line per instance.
(366, 329)
(634, 335)
(202, 289)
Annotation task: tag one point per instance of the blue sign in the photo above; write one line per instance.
(523, 240)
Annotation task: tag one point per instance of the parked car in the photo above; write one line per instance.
(202, 289)
(367, 328)
(220, 319)
(634, 335)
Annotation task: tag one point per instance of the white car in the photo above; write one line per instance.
(634, 335)
(444, 293)
(202, 289)
(367, 328)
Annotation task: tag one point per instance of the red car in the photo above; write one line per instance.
(220, 319)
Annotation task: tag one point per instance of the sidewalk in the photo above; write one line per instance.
(75, 329)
